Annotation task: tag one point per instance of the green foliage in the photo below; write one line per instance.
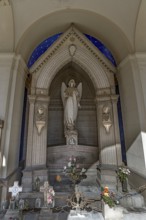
(108, 197)
(109, 201)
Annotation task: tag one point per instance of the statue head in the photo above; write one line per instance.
(72, 83)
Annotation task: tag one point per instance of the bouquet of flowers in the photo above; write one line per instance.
(108, 197)
(50, 196)
(73, 171)
(123, 173)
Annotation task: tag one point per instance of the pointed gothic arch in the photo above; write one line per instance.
(74, 47)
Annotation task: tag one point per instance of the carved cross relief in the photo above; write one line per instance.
(15, 189)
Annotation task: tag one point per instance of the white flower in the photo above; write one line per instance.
(64, 167)
(74, 159)
(83, 170)
(69, 164)
(51, 192)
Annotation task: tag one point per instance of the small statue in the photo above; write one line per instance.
(21, 204)
(38, 203)
(37, 184)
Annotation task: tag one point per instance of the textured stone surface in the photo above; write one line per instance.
(12, 214)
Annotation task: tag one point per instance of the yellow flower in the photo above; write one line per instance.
(106, 190)
(106, 194)
(58, 178)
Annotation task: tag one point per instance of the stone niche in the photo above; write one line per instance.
(86, 147)
(86, 123)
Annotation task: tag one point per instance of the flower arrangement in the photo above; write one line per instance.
(123, 173)
(73, 171)
(50, 196)
(108, 197)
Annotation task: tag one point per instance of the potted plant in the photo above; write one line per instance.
(123, 173)
(108, 197)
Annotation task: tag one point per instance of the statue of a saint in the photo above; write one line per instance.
(71, 101)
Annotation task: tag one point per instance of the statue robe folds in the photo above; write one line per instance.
(71, 101)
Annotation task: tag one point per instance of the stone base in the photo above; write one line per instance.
(46, 214)
(108, 177)
(115, 213)
(135, 201)
(14, 214)
(76, 215)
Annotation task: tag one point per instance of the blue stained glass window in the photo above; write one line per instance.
(103, 49)
(43, 46)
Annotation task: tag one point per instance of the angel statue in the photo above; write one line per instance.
(71, 97)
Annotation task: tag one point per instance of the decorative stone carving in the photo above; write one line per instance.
(40, 117)
(106, 118)
(4, 2)
(48, 193)
(15, 189)
(72, 49)
(71, 137)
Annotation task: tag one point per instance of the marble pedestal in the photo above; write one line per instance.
(115, 213)
(74, 215)
(46, 214)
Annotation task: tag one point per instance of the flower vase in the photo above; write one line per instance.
(124, 186)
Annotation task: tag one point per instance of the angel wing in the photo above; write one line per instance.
(79, 88)
(63, 88)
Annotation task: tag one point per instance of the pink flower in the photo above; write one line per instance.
(49, 199)
(77, 166)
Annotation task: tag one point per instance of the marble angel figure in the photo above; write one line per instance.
(71, 97)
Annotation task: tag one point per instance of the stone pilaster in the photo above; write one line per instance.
(39, 147)
(108, 130)
(36, 142)
(30, 131)
(114, 99)
(109, 141)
